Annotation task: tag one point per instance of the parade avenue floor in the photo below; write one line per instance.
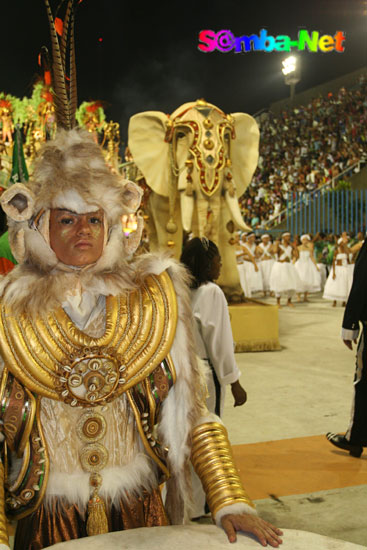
(295, 396)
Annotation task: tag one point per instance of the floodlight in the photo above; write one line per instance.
(291, 72)
(289, 65)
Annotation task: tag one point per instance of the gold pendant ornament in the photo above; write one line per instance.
(93, 457)
(91, 426)
(97, 523)
(92, 376)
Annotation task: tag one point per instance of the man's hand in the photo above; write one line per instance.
(248, 523)
(348, 343)
(239, 394)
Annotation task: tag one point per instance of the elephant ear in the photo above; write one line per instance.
(150, 151)
(244, 150)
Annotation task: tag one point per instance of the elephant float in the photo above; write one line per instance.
(196, 162)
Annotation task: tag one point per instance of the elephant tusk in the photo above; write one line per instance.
(187, 210)
(233, 207)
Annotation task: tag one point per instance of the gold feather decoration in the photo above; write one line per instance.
(65, 96)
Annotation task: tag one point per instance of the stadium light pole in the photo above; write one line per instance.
(292, 73)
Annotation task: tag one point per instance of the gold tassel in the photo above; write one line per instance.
(97, 523)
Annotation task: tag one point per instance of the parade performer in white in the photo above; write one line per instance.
(250, 265)
(308, 272)
(265, 260)
(337, 286)
(284, 280)
(240, 254)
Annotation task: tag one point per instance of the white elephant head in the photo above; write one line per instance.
(201, 153)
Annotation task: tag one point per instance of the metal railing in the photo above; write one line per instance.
(283, 214)
(329, 212)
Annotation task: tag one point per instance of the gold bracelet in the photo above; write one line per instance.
(212, 458)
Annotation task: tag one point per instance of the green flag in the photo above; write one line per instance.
(19, 171)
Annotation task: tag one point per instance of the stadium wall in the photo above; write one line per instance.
(359, 181)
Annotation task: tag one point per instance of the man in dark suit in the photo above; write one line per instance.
(356, 312)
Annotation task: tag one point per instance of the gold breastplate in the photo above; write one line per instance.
(53, 358)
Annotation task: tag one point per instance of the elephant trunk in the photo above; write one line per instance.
(233, 207)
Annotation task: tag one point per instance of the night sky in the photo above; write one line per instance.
(138, 56)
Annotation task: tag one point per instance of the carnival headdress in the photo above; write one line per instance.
(70, 172)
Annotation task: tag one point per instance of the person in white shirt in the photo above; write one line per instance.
(213, 337)
(212, 330)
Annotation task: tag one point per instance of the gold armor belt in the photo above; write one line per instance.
(53, 358)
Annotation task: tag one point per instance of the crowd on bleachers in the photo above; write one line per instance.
(305, 147)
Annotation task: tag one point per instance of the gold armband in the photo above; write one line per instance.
(213, 462)
(4, 538)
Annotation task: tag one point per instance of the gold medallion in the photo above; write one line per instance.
(94, 457)
(91, 426)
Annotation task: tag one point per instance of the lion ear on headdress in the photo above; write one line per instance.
(131, 196)
(18, 202)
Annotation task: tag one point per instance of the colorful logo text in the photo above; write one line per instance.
(225, 41)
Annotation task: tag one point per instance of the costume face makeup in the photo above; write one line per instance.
(76, 239)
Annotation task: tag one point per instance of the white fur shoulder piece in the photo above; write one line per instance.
(154, 264)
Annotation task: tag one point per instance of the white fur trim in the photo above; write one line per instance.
(71, 200)
(112, 251)
(4, 547)
(116, 483)
(178, 403)
(239, 508)
(156, 263)
(174, 427)
(37, 247)
(131, 196)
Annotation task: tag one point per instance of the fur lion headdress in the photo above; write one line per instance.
(70, 173)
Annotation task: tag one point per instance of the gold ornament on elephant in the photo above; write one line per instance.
(207, 123)
(208, 144)
(171, 226)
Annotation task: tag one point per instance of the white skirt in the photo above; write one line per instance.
(309, 277)
(254, 278)
(265, 267)
(244, 281)
(338, 289)
(284, 278)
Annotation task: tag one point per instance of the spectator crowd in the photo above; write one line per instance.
(304, 148)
